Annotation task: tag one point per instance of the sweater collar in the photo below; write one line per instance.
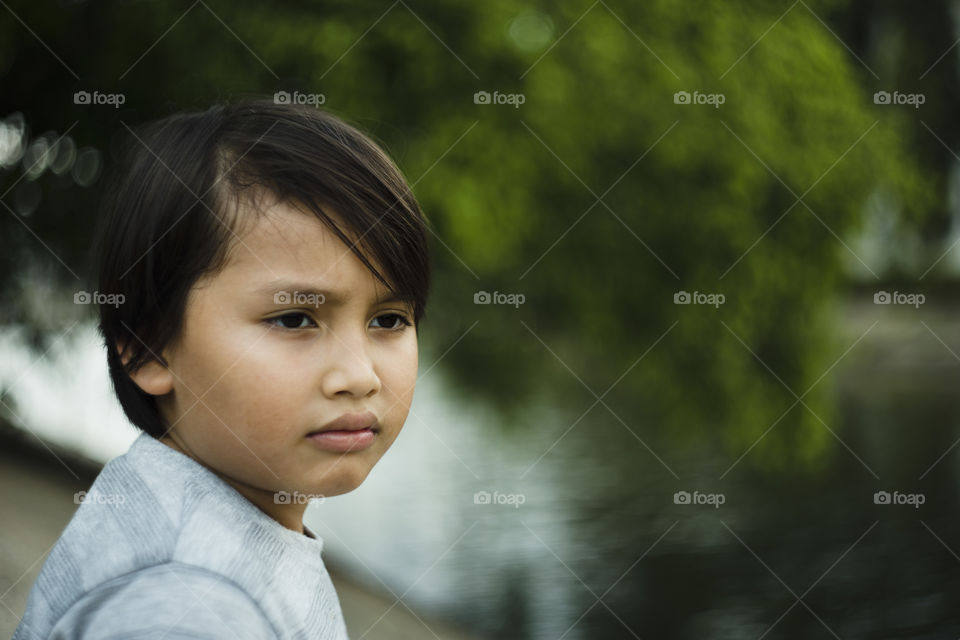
(205, 495)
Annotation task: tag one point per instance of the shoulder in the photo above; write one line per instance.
(171, 600)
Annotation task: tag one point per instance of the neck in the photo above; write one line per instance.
(288, 515)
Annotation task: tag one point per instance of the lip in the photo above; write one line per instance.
(349, 432)
(350, 422)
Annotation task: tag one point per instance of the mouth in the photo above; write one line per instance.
(351, 432)
(350, 422)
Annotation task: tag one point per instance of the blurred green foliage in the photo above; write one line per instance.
(598, 198)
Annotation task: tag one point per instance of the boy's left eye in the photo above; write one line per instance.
(399, 320)
(296, 321)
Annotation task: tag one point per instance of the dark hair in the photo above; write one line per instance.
(168, 220)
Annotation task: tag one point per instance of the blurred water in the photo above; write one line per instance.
(62, 394)
(599, 548)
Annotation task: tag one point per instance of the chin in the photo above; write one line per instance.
(343, 478)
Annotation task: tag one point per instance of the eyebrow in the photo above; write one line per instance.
(330, 297)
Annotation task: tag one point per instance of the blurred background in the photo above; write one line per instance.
(690, 364)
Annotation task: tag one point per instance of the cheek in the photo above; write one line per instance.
(266, 384)
(399, 375)
(241, 379)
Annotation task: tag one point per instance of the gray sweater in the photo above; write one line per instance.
(161, 547)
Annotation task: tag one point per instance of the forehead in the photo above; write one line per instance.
(281, 245)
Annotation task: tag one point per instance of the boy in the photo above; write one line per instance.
(274, 270)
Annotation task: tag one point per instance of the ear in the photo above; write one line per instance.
(152, 377)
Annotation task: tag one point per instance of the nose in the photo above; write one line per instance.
(349, 368)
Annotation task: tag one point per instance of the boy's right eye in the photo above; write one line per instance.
(291, 321)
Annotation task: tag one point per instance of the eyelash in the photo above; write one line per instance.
(404, 322)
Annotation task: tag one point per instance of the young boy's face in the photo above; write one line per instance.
(255, 370)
